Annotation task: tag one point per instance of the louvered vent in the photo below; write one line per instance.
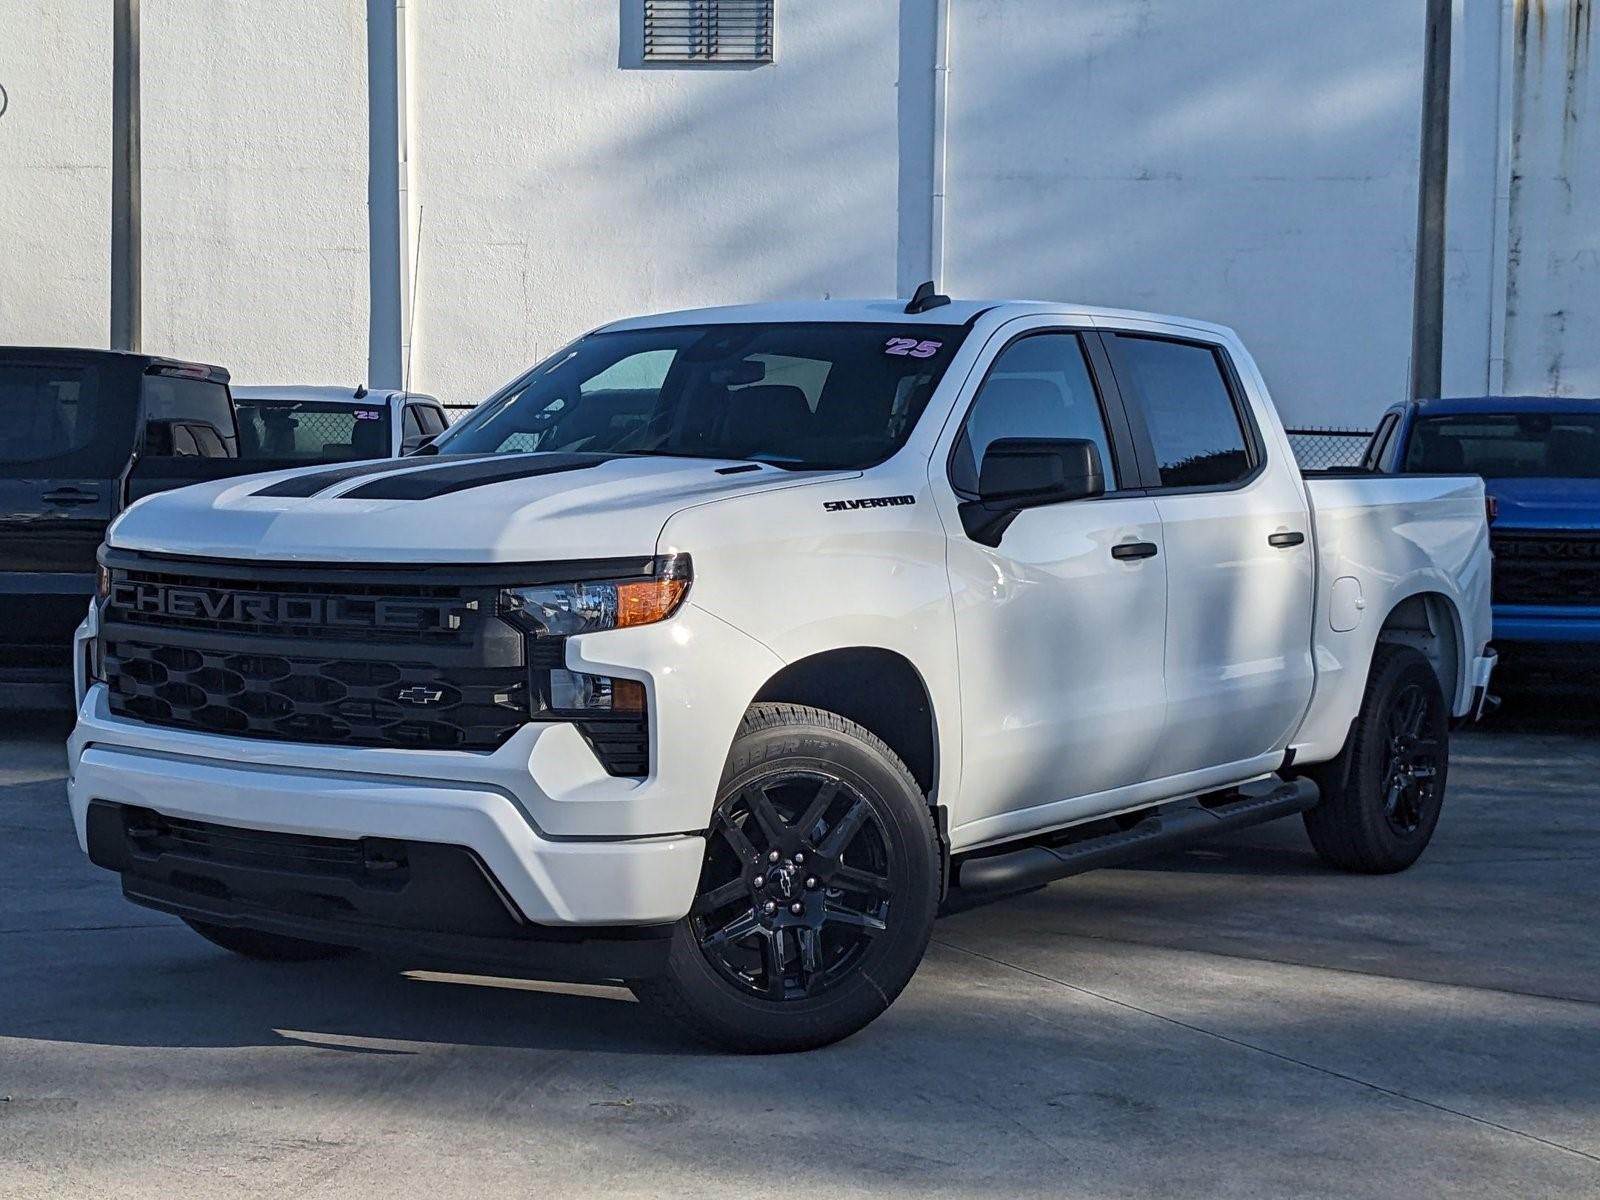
(708, 31)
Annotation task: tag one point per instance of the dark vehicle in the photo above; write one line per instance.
(1539, 457)
(84, 433)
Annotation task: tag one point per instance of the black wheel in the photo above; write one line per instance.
(269, 946)
(818, 893)
(1382, 797)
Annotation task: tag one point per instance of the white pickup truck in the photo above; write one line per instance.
(720, 650)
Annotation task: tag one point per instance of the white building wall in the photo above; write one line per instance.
(1552, 264)
(1255, 164)
(255, 203)
(1252, 164)
(55, 172)
(562, 184)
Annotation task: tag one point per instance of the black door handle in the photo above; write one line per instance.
(70, 496)
(1284, 540)
(1128, 551)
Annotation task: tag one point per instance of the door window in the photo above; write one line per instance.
(1038, 387)
(1183, 393)
(47, 412)
(413, 422)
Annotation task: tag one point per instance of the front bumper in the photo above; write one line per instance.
(428, 905)
(555, 881)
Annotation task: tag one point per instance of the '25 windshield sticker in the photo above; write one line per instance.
(911, 348)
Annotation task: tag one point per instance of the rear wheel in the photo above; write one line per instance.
(251, 943)
(1383, 795)
(817, 897)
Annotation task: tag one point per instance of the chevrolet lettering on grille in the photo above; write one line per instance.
(268, 610)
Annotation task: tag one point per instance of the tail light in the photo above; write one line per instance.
(1491, 508)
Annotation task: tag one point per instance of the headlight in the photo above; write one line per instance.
(565, 609)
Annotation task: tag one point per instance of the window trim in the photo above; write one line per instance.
(1119, 436)
(1244, 413)
(1372, 460)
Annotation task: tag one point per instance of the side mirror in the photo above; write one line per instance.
(1023, 473)
(415, 442)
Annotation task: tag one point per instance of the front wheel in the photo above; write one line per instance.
(1382, 796)
(817, 897)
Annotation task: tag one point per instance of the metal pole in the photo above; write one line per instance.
(386, 281)
(126, 271)
(1427, 312)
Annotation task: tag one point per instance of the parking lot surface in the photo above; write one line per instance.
(1231, 1021)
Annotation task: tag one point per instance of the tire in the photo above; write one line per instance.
(269, 947)
(1382, 795)
(840, 838)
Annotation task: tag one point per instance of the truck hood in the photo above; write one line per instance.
(464, 508)
(1546, 503)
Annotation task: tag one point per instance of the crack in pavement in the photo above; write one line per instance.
(1277, 1054)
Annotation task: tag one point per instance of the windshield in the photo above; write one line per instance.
(1508, 445)
(800, 396)
(315, 430)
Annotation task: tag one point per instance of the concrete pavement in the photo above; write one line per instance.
(1232, 1021)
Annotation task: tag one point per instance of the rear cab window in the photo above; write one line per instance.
(1526, 445)
(313, 430)
(187, 417)
(1197, 434)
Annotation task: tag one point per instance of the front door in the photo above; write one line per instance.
(1058, 628)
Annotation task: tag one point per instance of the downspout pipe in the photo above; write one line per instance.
(941, 91)
(387, 225)
(1427, 311)
(126, 227)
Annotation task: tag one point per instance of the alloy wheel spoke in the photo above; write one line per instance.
(858, 880)
(766, 816)
(841, 835)
(734, 836)
(833, 914)
(735, 930)
(719, 897)
(810, 957)
(818, 807)
(772, 960)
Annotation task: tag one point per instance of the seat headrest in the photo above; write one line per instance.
(766, 416)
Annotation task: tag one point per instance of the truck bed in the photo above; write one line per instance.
(1383, 540)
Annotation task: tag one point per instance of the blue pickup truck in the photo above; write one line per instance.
(1540, 459)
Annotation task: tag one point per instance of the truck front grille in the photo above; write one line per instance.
(1546, 567)
(315, 698)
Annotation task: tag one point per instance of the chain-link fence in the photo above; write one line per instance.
(1320, 449)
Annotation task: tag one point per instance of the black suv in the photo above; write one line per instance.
(83, 433)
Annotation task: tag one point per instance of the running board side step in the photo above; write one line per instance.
(1186, 822)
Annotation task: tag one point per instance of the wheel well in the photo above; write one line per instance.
(1427, 623)
(878, 690)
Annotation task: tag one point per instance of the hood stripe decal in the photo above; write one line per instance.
(425, 485)
(311, 484)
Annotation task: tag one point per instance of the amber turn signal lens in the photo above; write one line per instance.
(627, 696)
(648, 601)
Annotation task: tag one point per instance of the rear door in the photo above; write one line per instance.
(66, 431)
(1239, 557)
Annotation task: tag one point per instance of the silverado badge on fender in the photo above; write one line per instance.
(871, 502)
